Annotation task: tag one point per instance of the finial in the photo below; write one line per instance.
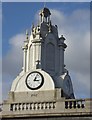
(62, 37)
(27, 34)
(32, 24)
(32, 27)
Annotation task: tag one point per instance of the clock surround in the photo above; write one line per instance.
(34, 80)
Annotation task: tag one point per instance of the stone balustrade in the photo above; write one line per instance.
(69, 104)
(32, 106)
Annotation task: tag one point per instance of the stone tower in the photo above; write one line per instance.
(44, 51)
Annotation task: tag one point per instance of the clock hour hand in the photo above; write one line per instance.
(35, 78)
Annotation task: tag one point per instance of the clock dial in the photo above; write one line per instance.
(34, 80)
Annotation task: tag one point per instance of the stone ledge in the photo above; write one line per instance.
(48, 115)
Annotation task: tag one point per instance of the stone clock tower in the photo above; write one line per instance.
(43, 88)
(43, 61)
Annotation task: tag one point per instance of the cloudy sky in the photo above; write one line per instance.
(73, 20)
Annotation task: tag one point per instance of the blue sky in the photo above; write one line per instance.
(73, 20)
(17, 17)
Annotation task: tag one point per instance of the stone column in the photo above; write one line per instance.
(62, 47)
(61, 60)
(24, 58)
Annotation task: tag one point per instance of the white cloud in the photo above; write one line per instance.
(81, 84)
(12, 62)
(76, 29)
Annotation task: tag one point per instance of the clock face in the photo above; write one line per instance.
(34, 80)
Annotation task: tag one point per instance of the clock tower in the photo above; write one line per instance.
(43, 60)
(43, 90)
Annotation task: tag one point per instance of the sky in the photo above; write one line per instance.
(73, 20)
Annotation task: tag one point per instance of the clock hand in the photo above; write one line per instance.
(35, 78)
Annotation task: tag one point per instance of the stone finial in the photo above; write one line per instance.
(32, 27)
(61, 42)
(62, 38)
(27, 35)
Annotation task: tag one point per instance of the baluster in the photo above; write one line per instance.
(33, 106)
(26, 106)
(44, 105)
(23, 106)
(54, 105)
(20, 106)
(74, 104)
(36, 106)
(40, 106)
(66, 104)
(50, 105)
(70, 106)
(30, 106)
(15, 107)
(82, 104)
(47, 105)
(78, 104)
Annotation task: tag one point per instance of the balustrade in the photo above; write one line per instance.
(32, 106)
(75, 104)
